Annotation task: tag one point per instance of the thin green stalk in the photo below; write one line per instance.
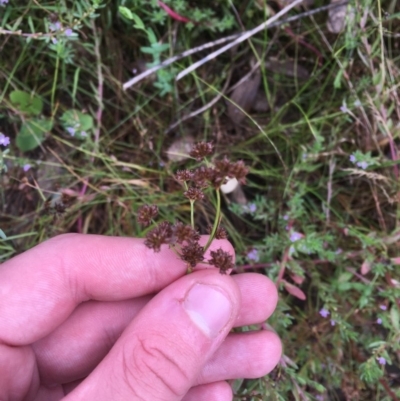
(192, 213)
(216, 221)
(53, 91)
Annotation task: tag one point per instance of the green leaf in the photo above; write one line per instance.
(125, 12)
(78, 120)
(2, 234)
(26, 103)
(394, 317)
(32, 132)
(138, 22)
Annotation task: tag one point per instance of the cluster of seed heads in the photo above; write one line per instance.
(184, 238)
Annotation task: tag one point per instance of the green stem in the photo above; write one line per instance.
(216, 221)
(53, 90)
(192, 213)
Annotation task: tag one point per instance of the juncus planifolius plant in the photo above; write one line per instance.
(182, 238)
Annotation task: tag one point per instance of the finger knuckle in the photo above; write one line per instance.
(151, 366)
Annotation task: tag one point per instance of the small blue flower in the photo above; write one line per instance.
(383, 307)
(324, 312)
(55, 26)
(68, 32)
(4, 140)
(83, 133)
(26, 167)
(343, 108)
(381, 360)
(253, 255)
(295, 236)
(352, 158)
(333, 322)
(71, 131)
(252, 207)
(3, 2)
(54, 40)
(362, 165)
(379, 321)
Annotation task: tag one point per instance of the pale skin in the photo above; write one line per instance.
(87, 317)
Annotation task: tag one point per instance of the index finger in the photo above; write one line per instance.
(40, 288)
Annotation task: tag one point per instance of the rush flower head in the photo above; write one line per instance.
(192, 253)
(202, 176)
(146, 214)
(184, 232)
(201, 150)
(158, 236)
(239, 171)
(221, 260)
(184, 175)
(194, 194)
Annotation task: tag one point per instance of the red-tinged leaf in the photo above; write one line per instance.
(293, 290)
(297, 279)
(396, 261)
(172, 13)
(365, 267)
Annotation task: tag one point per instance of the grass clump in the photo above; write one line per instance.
(319, 214)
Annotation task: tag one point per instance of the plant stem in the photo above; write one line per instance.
(192, 213)
(216, 221)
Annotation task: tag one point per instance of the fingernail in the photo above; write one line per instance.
(208, 308)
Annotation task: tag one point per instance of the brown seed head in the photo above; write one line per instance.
(194, 194)
(159, 235)
(220, 233)
(239, 171)
(201, 150)
(146, 213)
(192, 253)
(184, 175)
(221, 260)
(184, 232)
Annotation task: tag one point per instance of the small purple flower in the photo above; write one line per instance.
(4, 140)
(352, 158)
(26, 167)
(285, 217)
(83, 134)
(379, 320)
(68, 32)
(71, 130)
(362, 165)
(383, 307)
(324, 312)
(295, 236)
(252, 207)
(3, 2)
(381, 360)
(339, 251)
(54, 40)
(253, 255)
(333, 322)
(55, 26)
(343, 108)
(319, 397)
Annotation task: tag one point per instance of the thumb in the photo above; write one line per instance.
(160, 354)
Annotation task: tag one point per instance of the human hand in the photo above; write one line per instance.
(79, 320)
